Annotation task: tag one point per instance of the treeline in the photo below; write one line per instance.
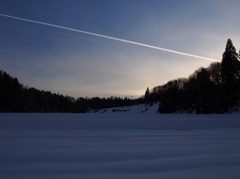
(215, 89)
(15, 97)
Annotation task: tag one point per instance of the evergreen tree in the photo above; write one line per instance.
(230, 65)
(147, 95)
(230, 70)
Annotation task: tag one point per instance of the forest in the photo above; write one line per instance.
(15, 97)
(215, 89)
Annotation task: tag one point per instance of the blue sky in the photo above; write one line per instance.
(77, 64)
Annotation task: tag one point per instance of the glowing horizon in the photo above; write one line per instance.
(109, 37)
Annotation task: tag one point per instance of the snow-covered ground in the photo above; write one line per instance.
(119, 145)
(141, 108)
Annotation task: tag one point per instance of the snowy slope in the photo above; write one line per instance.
(148, 109)
(141, 108)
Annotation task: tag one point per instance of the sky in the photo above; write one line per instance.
(79, 65)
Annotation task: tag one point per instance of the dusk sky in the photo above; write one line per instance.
(77, 64)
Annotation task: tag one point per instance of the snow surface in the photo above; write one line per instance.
(119, 145)
(141, 108)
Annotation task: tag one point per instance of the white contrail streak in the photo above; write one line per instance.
(109, 37)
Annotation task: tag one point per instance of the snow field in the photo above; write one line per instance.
(119, 145)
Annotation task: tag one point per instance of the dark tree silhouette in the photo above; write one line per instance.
(171, 95)
(230, 70)
(147, 95)
(215, 73)
(230, 65)
(14, 97)
(215, 89)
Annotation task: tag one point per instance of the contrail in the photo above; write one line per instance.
(109, 37)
